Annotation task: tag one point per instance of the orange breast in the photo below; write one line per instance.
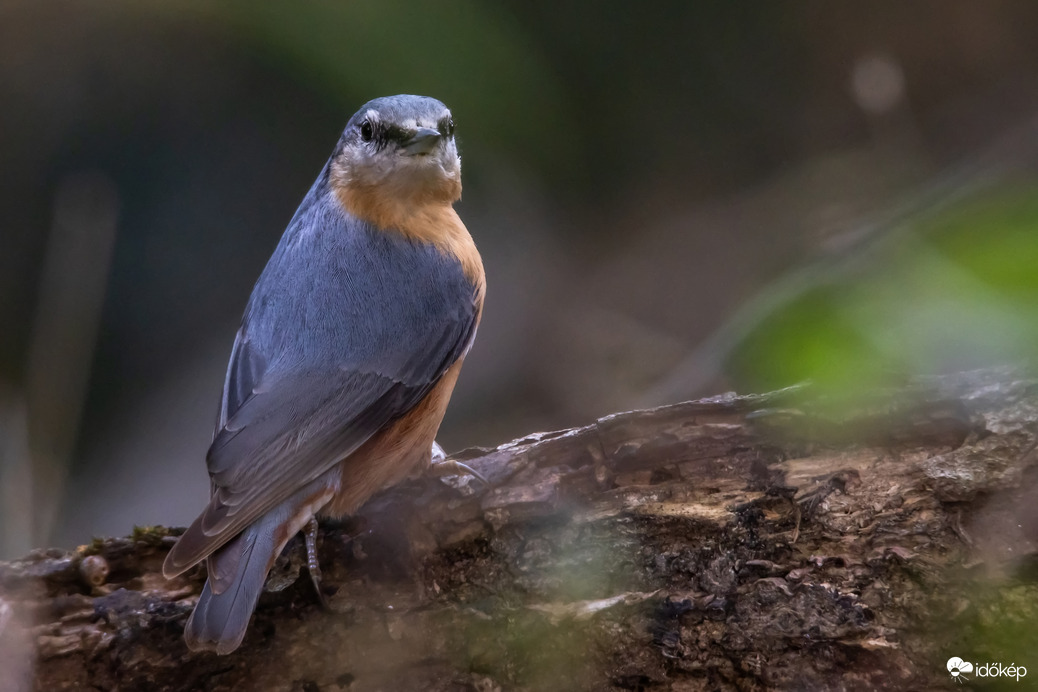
(394, 453)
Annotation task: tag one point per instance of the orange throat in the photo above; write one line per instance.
(425, 216)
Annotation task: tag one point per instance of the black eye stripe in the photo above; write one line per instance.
(380, 134)
(394, 133)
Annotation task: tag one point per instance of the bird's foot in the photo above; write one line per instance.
(440, 466)
(312, 564)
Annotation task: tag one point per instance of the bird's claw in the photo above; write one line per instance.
(441, 466)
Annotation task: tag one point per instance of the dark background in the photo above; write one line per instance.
(671, 200)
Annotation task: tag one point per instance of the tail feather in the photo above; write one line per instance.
(238, 570)
(225, 607)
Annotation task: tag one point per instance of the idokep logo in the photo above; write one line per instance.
(960, 669)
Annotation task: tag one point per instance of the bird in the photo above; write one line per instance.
(347, 354)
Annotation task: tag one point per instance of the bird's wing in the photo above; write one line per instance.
(289, 429)
(282, 427)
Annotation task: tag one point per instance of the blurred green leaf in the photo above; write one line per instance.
(957, 291)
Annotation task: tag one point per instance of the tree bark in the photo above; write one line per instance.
(786, 541)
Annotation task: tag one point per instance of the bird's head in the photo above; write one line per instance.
(397, 151)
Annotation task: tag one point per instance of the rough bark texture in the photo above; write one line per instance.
(787, 541)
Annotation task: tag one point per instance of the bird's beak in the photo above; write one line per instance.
(424, 141)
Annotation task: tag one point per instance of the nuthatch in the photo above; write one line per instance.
(347, 355)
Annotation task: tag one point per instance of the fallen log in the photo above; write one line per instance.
(784, 541)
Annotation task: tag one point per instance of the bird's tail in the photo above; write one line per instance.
(237, 573)
(238, 570)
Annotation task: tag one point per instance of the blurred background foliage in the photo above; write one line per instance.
(959, 292)
(672, 200)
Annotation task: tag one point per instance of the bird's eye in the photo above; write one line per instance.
(366, 131)
(450, 127)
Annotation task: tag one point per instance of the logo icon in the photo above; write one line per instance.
(957, 667)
